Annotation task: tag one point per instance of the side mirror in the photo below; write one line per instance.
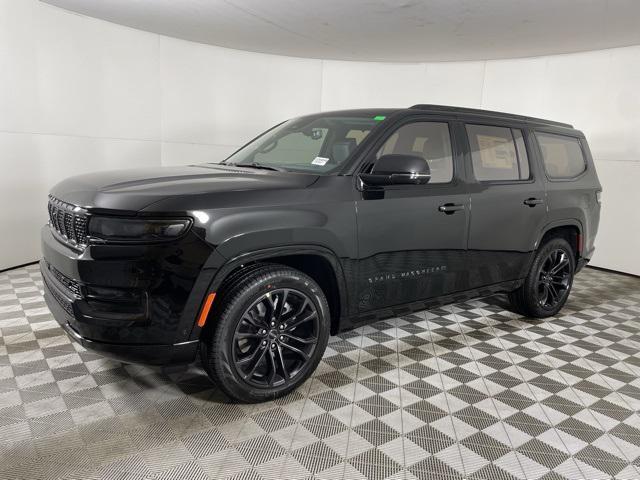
(398, 169)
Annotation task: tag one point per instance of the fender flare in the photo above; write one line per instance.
(273, 252)
(567, 222)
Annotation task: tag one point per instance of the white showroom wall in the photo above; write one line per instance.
(79, 94)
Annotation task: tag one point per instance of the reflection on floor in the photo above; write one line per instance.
(467, 391)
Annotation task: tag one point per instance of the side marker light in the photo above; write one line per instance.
(202, 319)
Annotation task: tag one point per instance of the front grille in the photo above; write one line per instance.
(68, 221)
(71, 285)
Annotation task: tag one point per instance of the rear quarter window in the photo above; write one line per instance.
(562, 156)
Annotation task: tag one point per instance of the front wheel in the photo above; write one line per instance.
(547, 286)
(270, 334)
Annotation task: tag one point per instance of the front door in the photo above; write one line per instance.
(412, 238)
(508, 204)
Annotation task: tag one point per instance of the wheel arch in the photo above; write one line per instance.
(320, 263)
(569, 229)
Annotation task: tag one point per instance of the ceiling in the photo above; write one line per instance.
(383, 30)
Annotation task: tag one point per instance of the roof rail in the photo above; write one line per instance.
(489, 113)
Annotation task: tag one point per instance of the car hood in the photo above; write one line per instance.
(134, 189)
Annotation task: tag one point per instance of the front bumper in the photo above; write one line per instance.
(134, 304)
(58, 302)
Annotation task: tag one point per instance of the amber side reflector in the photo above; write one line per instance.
(202, 319)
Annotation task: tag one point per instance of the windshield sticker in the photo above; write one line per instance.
(379, 118)
(320, 161)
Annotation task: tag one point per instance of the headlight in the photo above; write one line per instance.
(137, 229)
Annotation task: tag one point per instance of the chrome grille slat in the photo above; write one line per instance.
(60, 215)
(68, 225)
(69, 222)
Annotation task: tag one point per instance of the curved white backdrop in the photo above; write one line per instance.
(79, 94)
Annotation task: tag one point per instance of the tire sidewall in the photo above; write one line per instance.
(225, 367)
(532, 279)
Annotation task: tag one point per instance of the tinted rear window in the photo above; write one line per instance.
(562, 155)
(497, 153)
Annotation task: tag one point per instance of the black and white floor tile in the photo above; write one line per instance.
(469, 391)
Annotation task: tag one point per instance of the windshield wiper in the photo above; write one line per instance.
(260, 166)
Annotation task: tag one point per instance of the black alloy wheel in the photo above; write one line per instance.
(554, 279)
(267, 334)
(275, 338)
(546, 287)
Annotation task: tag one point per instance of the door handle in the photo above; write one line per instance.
(450, 208)
(532, 202)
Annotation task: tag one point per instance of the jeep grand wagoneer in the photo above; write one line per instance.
(322, 223)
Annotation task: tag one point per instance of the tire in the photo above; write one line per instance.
(267, 335)
(544, 292)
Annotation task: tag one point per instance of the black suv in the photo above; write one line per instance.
(323, 223)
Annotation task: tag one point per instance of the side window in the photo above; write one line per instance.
(430, 140)
(562, 156)
(497, 153)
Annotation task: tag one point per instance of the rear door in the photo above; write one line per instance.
(508, 203)
(412, 238)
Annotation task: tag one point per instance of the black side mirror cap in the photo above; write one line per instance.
(398, 169)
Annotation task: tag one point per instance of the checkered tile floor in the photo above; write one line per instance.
(466, 391)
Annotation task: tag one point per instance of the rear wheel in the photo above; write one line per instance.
(270, 334)
(547, 286)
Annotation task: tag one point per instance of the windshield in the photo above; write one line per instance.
(316, 144)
